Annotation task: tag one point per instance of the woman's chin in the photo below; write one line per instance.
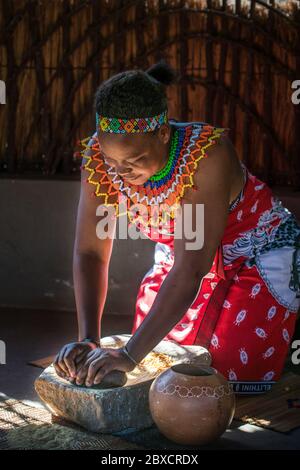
(139, 181)
(136, 181)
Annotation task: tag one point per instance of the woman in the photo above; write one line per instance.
(236, 294)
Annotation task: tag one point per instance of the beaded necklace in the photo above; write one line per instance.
(165, 173)
(188, 146)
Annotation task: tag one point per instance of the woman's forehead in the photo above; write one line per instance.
(130, 143)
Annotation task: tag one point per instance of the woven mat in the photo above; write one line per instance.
(278, 409)
(42, 363)
(24, 427)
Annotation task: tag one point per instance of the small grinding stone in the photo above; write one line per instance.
(115, 378)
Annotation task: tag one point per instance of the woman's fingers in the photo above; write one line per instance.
(80, 365)
(61, 363)
(69, 360)
(93, 370)
(80, 362)
(58, 370)
(70, 379)
(55, 363)
(80, 357)
(100, 374)
(85, 354)
(61, 374)
(82, 372)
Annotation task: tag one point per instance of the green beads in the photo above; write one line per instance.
(165, 171)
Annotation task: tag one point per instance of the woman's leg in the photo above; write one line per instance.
(251, 339)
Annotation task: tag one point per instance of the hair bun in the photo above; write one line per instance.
(163, 73)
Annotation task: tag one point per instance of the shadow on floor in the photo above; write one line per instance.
(34, 334)
(31, 334)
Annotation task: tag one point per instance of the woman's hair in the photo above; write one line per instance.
(135, 93)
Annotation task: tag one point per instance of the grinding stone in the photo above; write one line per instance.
(108, 410)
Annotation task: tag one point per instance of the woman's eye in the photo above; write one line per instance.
(141, 158)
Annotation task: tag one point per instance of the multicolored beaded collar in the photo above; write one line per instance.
(187, 148)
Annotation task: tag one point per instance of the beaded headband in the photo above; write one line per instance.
(124, 126)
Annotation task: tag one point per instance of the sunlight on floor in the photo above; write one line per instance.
(249, 428)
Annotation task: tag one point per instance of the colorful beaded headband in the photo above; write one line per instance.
(124, 126)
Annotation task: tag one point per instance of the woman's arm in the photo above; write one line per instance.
(91, 258)
(182, 284)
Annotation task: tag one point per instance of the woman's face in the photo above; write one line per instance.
(136, 157)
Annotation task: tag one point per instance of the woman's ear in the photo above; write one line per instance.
(164, 133)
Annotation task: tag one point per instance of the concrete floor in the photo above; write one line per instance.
(34, 334)
(30, 334)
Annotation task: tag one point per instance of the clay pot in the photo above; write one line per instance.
(191, 404)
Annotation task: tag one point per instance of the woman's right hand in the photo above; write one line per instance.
(69, 356)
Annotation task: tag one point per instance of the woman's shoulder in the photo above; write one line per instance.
(94, 171)
(210, 161)
(205, 139)
(202, 135)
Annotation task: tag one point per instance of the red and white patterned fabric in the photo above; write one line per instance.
(258, 308)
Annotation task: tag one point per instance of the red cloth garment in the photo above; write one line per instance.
(244, 314)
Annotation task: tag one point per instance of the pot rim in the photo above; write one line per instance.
(199, 370)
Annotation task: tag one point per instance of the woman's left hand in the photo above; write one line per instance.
(100, 362)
